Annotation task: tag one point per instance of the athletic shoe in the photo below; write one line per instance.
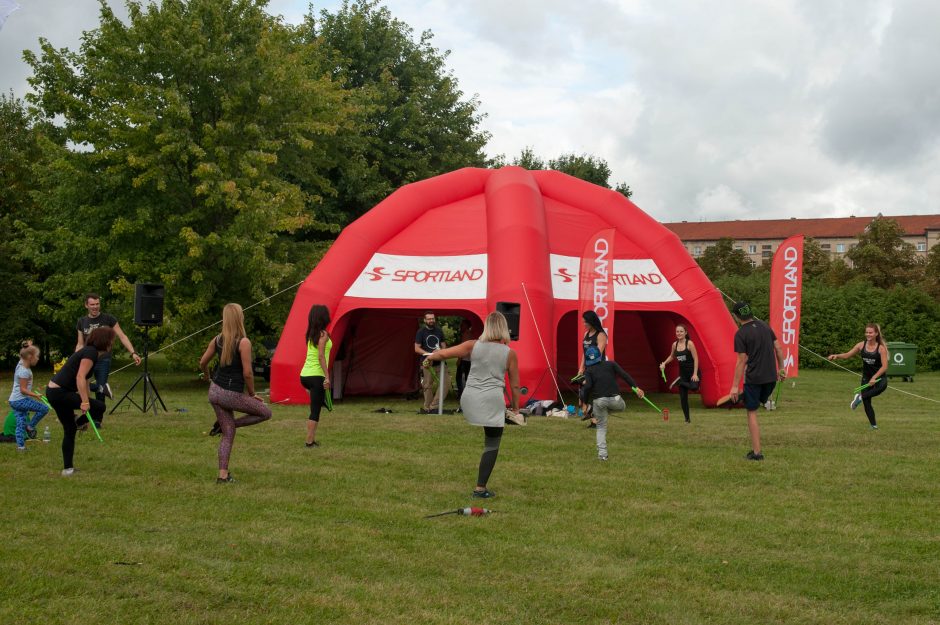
(602, 458)
(225, 480)
(20, 449)
(216, 429)
(30, 433)
(752, 456)
(592, 426)
(69, 472)
(106, 390)
(588, 413)
(874, 427)
(483, 494)
(313, 444)
(856, 401)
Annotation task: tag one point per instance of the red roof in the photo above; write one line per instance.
(837, 227)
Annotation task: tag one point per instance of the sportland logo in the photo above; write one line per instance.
(389, 276)
(626, 279)
(441, 275)
(634, 280)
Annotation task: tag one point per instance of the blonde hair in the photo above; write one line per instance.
(877, 328)
(29, 350)
(495, 328)
(233, 331)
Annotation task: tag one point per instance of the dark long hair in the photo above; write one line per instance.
(317, 321)
(593, 320)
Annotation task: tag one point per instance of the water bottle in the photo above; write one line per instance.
(46, 435)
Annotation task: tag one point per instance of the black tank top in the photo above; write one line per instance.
(231, 377)
(871, 362)
(684, 358)
(590, 340)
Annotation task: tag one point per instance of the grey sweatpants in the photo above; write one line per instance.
(602, 406)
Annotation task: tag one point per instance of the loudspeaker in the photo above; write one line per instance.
(511, 311)
(148, 304)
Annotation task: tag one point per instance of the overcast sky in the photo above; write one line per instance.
(739, 109)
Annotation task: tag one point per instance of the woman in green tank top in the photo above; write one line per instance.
(315, 375)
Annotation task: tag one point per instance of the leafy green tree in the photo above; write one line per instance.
(815, 259)
(722, 259)
(415, 120)
(528, 159)
(199, 135)
(932, 271)
(590, 168)
(882, 257)
(19, 151)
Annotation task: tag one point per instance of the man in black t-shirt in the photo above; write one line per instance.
(761, 356)
(96, 319)
(428, 339)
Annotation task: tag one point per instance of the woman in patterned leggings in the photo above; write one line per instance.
(232, 386)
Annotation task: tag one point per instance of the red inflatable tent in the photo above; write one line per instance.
(459, 243)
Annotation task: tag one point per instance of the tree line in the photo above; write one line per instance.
(213, 148)
(887, 283)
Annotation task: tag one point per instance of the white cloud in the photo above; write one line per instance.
(741, 109)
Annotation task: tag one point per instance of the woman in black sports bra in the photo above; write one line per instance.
(874, 354)
(684, 352)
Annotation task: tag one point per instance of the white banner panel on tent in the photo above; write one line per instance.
(390, 276)
(635, 280)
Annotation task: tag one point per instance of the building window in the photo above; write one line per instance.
(697, 250)
(825, 246)
(840, 248)
(766, 247)
(766, 254)
(921, 247)
(752, 249)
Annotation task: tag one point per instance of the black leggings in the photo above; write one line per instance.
(873, 391)
(492, 436)
(684, 387)
(314, 384)
(65, 403)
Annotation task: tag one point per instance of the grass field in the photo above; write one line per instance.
(839, 525)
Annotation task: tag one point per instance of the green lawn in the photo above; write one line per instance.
(839, 525)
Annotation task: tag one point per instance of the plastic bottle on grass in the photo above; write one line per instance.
(46, 435)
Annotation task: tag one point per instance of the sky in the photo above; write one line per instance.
(738, 109)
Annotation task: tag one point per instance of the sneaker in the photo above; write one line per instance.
(30, 432)
(216, 429)
(68, 472)
(225, 480)
(592, 426)
(20, 449)
(856, 401)
(602, 458)
(106, 390)
(874, 427)
(588, 413)
(313, 444)
(752, 456)
(483, 494)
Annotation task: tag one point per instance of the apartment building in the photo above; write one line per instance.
(759, 238)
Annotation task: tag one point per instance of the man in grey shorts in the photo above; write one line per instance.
(600, 381)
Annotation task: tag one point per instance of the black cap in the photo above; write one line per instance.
(742, 310)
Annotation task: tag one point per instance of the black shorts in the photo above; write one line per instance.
(757, 394)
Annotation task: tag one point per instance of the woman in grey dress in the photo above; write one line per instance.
(483, 401)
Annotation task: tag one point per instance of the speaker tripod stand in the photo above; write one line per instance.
(151, 394)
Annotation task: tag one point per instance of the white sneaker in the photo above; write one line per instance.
(106, 391)
(856, 401)
(68, 472)
(602, 458)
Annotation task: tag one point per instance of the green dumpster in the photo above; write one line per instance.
(902, 360)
